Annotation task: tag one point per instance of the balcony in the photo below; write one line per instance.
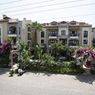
(74, 36)
(74, 43)
(53, 36)
(52, 41)
(74, 46)
(12, 34)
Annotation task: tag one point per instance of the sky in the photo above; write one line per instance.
(50, 10)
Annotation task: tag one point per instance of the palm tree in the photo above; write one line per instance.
(57, 48)
(36, 27)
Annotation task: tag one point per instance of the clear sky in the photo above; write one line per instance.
(50, 10)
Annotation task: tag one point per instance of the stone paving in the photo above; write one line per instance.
(46, 84)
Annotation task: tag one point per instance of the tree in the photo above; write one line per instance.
(37, 52)
(57, 48)
(35, 28)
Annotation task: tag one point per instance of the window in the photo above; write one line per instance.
(53, 33)
(63, 41)
(29, 29)
(12, 30)
(63, 32)
(51, 41)
(85, 41)
(73, 33)
(42, 34)
(73, 42)
(85, 34)
(42, 41)
(29, 36)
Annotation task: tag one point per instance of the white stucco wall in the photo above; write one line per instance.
(64, 28)
(89, 29)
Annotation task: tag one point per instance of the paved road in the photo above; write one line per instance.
(46, 84)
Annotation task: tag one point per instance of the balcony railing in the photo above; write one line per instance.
(12, 34)
(74, 36)
(53, 36)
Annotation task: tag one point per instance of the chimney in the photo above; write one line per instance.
(6, 17)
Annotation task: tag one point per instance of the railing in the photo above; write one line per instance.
(53, 36)
(12, 33)
(75, 36)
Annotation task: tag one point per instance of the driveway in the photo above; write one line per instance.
(46, 84)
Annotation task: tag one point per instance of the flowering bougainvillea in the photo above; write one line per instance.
(89, 51)
(5, 49)
(85, 57)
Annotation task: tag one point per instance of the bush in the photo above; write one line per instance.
(4, 54)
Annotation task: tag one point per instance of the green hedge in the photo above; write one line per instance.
(56, 67)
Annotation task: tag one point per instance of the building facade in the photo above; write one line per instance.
(72, 33)
(15, 30)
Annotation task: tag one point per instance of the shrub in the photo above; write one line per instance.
(4, 53)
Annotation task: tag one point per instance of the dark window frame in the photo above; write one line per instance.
(85, 41)
(42, 34)
(85, 35)
(63, 32)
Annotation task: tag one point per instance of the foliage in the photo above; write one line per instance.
(37, 52)
(36, 27)
(47, 59)
(24, 55)
(5, 49)
(85, 58)
(60, 50)
(46, 62)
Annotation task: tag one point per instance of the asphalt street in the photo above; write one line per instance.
(46, 84)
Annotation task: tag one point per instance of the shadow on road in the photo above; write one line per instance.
(3, 70)
(86, 78)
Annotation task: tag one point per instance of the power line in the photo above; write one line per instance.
(80, 15)
(14, 1)
(81, 5)
(35, 3)
(37, 7)
(65, 17)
